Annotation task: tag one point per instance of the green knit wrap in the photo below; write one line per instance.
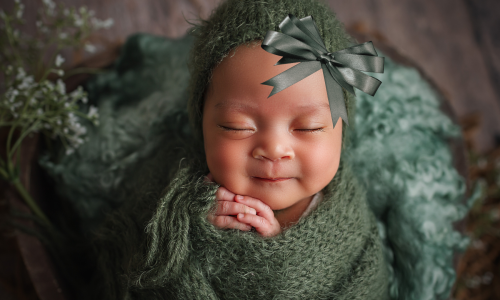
(236, 22)
(334, 253)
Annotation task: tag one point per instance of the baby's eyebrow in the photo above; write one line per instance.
(315, 106)
(234, 106)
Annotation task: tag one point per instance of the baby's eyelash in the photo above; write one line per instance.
(232, 129)
(312, 130)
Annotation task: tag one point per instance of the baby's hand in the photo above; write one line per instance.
(243, 213)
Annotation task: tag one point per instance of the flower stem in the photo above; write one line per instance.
(30, 202)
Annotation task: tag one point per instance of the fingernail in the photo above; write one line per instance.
(240, 216)
(239, 197)
(253, 211)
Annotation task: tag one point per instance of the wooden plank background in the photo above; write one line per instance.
(456, 43)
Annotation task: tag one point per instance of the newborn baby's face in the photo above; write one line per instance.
(282, 149)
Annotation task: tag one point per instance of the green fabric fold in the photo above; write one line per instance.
(334, 253)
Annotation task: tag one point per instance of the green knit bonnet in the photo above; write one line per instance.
(237, 22)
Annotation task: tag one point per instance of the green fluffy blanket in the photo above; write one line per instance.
(334, 253)
(398, 152)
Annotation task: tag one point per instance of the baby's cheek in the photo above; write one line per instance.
(226, 164)
(320, 164)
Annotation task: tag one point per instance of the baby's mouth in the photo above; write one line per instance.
(276, 179)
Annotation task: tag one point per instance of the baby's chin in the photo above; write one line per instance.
(277, 199)
(277, 196)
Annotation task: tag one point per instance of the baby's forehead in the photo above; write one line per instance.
(234, 105)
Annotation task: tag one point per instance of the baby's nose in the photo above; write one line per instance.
(273, 149)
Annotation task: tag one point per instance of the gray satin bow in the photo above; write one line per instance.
(301, 42)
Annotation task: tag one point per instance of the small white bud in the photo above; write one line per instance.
(93, 112)
(108, 23)
(90, 48)
(59, 60)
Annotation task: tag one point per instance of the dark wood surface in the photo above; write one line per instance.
(456, 43)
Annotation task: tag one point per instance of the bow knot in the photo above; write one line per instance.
(325, 58)
(301, 42)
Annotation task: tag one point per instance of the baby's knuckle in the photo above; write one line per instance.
(261, 221)
(266, 207)
(220, 194)
(221, 222)
(224, 207)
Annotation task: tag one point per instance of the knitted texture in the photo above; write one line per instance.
(334, 253)
(236, 22)
(399, 152)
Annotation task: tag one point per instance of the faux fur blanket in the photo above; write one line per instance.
(398, 152)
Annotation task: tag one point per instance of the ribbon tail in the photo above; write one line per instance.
(290, 60)
(292, 76)
(339, 77)
(285, 45)
(366, 48)
(335, 97)
(361, 62)
(360, 80)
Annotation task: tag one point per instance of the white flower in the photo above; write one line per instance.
(39, 111)
(20, 73)
(66, 12)
(108, 23)
(26, 83)
(19, 13)
(70, 151)
(51, 5)
(78, 22)
(93, 112)
(59, 60)
(102, 24)
(84, 100)
(61, 87)
(90, 48)
(63, 35)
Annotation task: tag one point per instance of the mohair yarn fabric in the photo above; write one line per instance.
(334, 253)
(398, 152)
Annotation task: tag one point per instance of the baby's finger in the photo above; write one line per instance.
(261, 225)
(262, 209)
(224, 194)
(230, 208)
(227, 222)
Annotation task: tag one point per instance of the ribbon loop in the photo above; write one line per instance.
(301, 42)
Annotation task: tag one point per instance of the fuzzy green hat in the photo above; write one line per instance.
(237, 22)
